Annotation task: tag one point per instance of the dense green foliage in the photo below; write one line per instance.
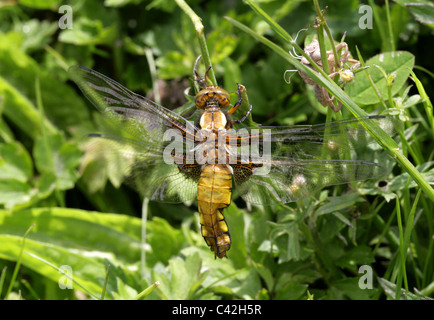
(85, 218)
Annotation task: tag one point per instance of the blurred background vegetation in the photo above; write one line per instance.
(84, 218)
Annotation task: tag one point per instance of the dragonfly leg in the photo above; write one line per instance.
(202, 81)
(237, 105)
(196, 74)
(245, 116)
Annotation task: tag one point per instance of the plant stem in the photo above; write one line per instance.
(105, 282)
(153, 70)
(2, 278)
(324, 27)
(17, 266)
(425, 100)
(379, 27)
(320, 35)
(324, 58)
(389, 25)
(143, 238)
(403, 273)
(198, 26)
(147, 291)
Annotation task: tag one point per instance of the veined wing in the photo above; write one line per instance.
(289, 163)
(138, 149)
(143, 167)
(141, 118)
(335, 139)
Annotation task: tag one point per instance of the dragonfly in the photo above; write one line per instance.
(171, 159)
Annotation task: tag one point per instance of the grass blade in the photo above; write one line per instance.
(2, 279)
(17, 266)
(402, 250)
(425, 100)
(147, 291)
(65, 274)
(105, 283)
(198, 26)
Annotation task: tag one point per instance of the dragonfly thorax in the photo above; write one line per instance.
(213, 119)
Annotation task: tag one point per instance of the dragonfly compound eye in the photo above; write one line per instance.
(224, 100)
(212, 95)
(222, 97)
(201, 99)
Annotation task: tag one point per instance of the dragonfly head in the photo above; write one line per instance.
(212, 96)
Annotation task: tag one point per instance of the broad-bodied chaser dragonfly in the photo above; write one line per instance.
(174, 160)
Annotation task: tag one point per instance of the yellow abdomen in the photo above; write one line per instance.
(214, 194)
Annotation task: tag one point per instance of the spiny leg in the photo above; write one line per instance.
(202, 81)
(245, 116)
(237, 105)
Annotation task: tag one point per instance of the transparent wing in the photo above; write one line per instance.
(288, 182)
(144, 168)
(289, 163)
(135, 115)
(138, 149)
(328, 140)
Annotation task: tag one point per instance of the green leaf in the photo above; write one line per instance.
(232, 74)
(265, 274)
(87, 32)
(125, 292)
(54, 155)
(235, 220)
(330, 229)
(13, 192)
(158, 4)
(86, 270)
(15, 162)
(19, 109)
(220, 46)
(173, 65)
(285, 237)
(46, 185)
(269, 247)
(423, 12)
(349, 287)
(165, 240)
(83, 240)
(183, 279)
(356, 256)
(341, 203)
(18, 73)
(16, 173)
(399, 62)
(71, 228)
(41, 4)
(250, 286)
(37, 34)
(399, 182)
(119, 3)
(292, 291)
(276, 27)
